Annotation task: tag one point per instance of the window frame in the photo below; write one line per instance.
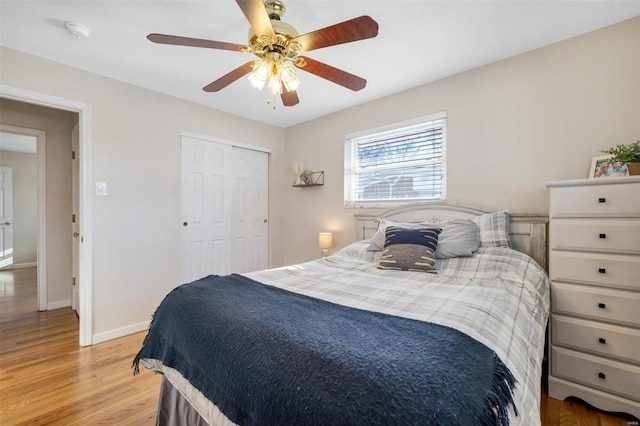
(349, 170)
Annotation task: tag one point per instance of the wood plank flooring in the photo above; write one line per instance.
(47, 379)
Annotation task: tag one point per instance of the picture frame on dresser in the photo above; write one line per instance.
(603, 167)
(594, 268)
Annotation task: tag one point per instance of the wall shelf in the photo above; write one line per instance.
(311, 179)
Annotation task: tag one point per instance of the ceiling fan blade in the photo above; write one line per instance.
(194, 42)
(345, 32)
(289, 98)
(228, 78)
(257, 16)
(332, 74)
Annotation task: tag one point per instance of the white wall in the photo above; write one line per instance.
(25, 204)
(136, 150)
(511, 126)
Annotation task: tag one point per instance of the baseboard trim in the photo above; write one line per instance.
(58, 304)
(120, 332)
(22, 265)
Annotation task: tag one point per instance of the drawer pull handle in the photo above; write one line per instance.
(602, 200)
(601, 305)
(602, 375)
(603, 235)
(602, 340)
(602, 270)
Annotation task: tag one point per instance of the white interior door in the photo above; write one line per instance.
(206, 208)
(6, 216)
(250, 236)
(75, 218)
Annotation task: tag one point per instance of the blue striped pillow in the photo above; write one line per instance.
(410, 249)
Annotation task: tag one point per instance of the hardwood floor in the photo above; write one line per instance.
(47, 379)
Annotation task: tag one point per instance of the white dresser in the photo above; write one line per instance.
(594, 266)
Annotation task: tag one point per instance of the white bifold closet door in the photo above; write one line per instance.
(224, 196)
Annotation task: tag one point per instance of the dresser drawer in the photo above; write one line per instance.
(612, 270)
(617, 306)
(595, 200)
(602, 235)
(611, 376)
(609, 340)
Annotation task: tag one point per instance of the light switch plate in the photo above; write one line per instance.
(101, 188)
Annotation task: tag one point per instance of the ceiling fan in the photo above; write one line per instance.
(279, 47)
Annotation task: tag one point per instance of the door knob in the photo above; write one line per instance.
(185, 223)
(265, 221)
(76, 235)
(7, 223)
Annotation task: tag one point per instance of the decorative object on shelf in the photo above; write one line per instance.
(325, 241)
(628, 155)
(603, 166)
(308, 178)
(298, 170)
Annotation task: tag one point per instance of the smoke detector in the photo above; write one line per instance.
(78, 30)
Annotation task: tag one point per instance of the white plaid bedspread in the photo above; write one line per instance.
(500, 297)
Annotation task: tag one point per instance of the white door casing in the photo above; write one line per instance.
(6, 217)
(85, 199)
(249, 244)
(75, 219)
(224, 203)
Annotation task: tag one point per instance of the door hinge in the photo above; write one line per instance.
(74, 280)
(73, 218)
(73, 155)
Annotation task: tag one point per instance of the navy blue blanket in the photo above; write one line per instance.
(267, 356)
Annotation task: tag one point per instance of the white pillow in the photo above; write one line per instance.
(494, 229)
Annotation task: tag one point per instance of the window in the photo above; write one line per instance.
(396, 164)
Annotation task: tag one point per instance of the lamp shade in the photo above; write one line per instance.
(325, 240)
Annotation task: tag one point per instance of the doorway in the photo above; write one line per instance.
(30, 141)
(85, 264)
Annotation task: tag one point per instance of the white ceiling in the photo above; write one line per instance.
(418, 42)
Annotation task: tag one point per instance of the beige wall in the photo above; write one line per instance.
(25, 204)
(57, 125)
(511, 126)
(136, 150)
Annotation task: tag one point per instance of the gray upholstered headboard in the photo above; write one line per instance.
(528, 232)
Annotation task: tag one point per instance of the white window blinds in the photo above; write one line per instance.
(395, 165)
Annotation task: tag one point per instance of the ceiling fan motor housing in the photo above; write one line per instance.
(284, 32)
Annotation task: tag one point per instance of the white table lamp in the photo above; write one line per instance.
(325, 241)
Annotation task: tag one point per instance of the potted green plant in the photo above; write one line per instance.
(629, 154)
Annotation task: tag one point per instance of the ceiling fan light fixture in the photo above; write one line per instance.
(274, 71)
(288, 76)
(274, 87)
(259, 74)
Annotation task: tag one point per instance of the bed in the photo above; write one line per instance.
(489, 307)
